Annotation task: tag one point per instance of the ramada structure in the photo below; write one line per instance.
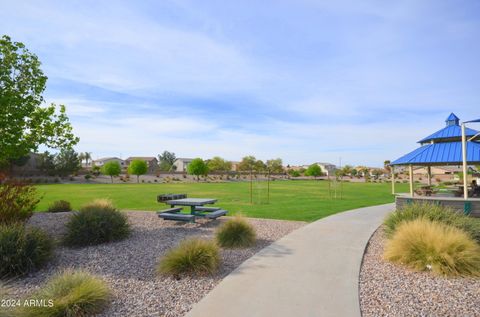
(455, 144)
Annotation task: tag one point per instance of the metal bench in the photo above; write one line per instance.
(170, 210)
(177, 216)
(166, 197)
(206, 209)
(216, 214)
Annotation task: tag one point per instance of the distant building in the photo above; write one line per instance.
(102, 161)
(328, 168)
(181, 164)
(152, 162)
(234, 166)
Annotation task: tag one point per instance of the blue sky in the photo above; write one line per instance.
(301, 80)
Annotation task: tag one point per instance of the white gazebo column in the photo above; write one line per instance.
(392, 171)
(464, 157)
(410, 172)
(429, 172)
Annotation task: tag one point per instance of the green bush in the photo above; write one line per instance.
(191, 256)
(434, 213)
(23, 250)
(74, 293)
(17, 202)
(95, 223)
(236, 233)
(60, 206)
(426, 245)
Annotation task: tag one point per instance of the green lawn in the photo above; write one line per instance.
(292, 200)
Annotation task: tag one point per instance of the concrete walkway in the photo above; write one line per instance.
(311, 272)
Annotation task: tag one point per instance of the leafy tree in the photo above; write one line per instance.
(166, 160)
(294, 173)
(219, 165)
(138, 167)
(47, 163)
(197, 167)
(81, 157)
(259, 166)
(87, 156)
(275, 165)
(25, 122)
(354, 172)
(313, 170)
(302, 170)
(378, 172)
(111, 169)
(347, 170)
(67, 162)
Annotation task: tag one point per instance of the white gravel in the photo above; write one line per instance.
(129, 265)
(387, 289)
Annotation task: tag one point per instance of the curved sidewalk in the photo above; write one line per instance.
(311, 272)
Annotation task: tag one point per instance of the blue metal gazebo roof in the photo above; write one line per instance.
(452, 132)
(447, 153)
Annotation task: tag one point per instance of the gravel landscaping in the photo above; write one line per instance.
(387, 289)
(129, 266)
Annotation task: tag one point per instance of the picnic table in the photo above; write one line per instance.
(197, 209)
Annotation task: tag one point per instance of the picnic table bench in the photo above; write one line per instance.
(197, 209)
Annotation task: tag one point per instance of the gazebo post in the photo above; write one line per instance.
(464, 157)
(392, 170)
(429, 172)
(410, 172)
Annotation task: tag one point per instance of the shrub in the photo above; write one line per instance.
(74, 293)
(60, 206)
(236, 233)
(23, 250)
(95, 223)
(434, 213)
(191, 256)
(17, 202)
(424, 245)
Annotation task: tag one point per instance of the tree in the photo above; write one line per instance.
(354, 172)
(67, 162)
(275, 166)
(81, 157)
(378, 172)
(247, 164)
(87, 157)
(347, 170)
(47, 163)
(386, 165)
(25, 122)
(313, 170)
(138, 167)
(166, 160)
(219, 165)
(259, 167)
(198, 168)
(111, 169)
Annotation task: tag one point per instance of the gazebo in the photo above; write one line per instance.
(455, 144)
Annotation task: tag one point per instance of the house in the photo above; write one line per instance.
(181, 164)
(327, 168)
(29, 165)
(151, 161)
(235, 165)
(102, 161)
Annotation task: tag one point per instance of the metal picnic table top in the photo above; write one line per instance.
(191, 202)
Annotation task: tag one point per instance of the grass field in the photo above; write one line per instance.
(289, 200)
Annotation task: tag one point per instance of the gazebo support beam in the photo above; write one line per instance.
(392, 170)
(410, 172)
(429, 172)
(464, 157)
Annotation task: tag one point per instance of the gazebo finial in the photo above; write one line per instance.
(452, 120)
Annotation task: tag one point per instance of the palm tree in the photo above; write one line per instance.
(81, 157)
(87, 156)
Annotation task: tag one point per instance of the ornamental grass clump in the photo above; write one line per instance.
(60, 206)
(70, 293)
(23, 250)
(426, 245)
(236, 233)
(96, 223)
(435, 213)
(191, 256)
